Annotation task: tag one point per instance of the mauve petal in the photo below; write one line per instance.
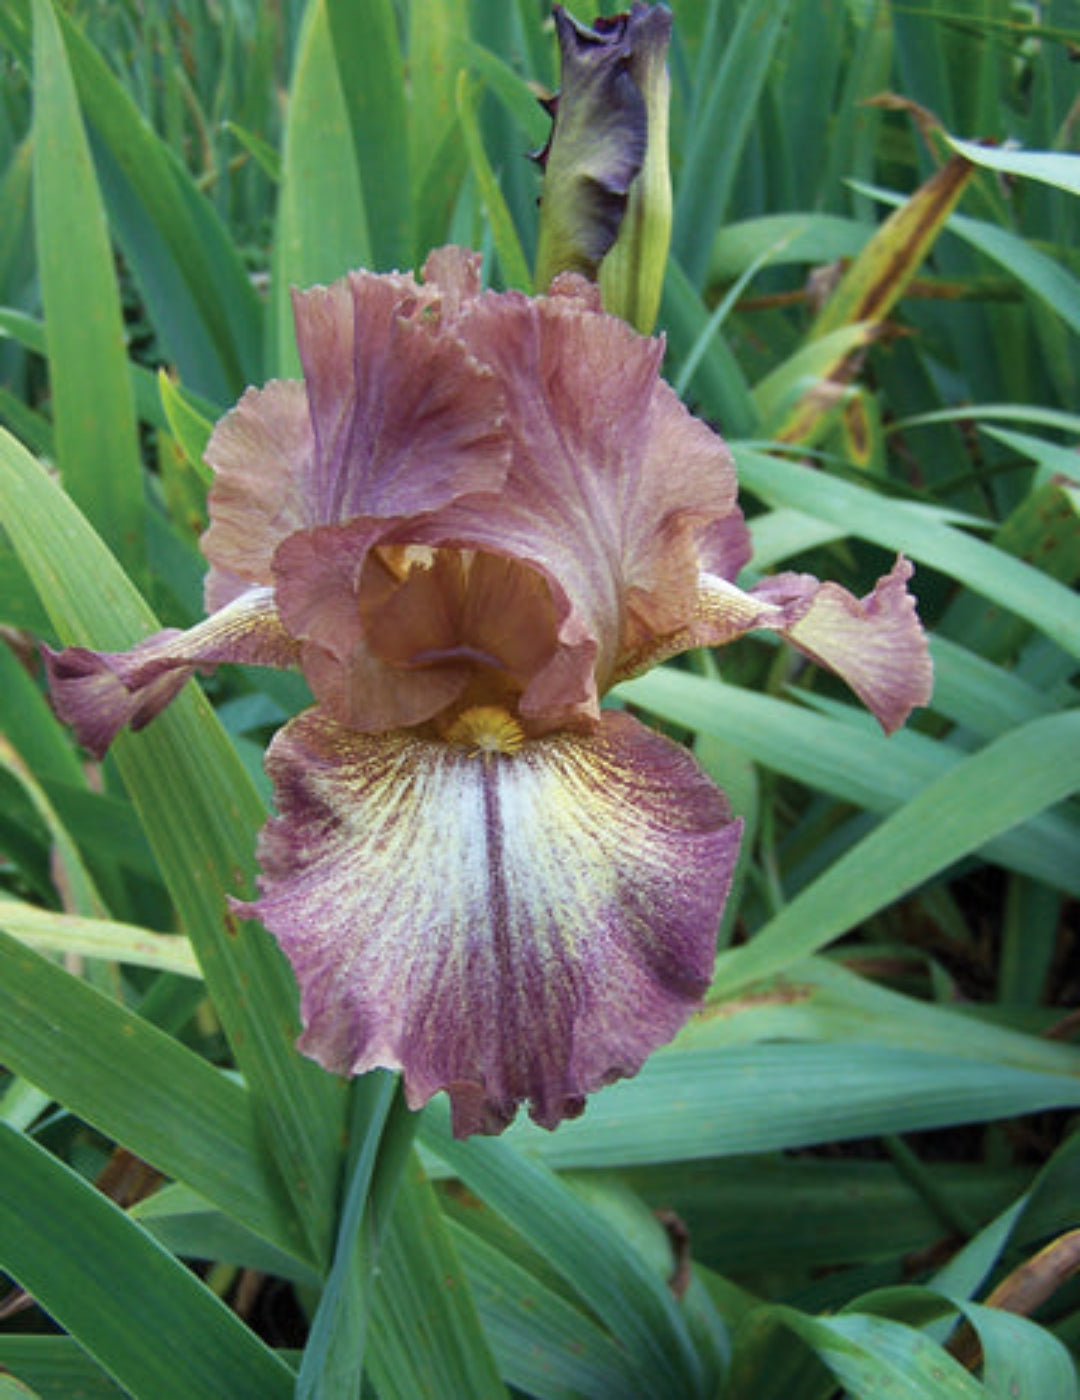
(496, 612)
(537, 430)
(326, 336)
(455, 272)
(725, 547)
(261, 452)
(506, 927)
(571, 286)
(613, 487)
(371, 696)
(405, 420)
(876, 644)
(318, 594)
(98, 693)
(316, 579)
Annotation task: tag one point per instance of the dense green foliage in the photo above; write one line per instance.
(829, 1175)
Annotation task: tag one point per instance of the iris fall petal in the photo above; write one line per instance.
(98, 692)
(511, 927)
(875, 644)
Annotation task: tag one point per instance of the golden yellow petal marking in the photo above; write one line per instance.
(401, 559)
(486, 729)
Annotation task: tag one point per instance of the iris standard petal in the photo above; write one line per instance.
(405, 420)
(261, 452)
(98, 692)
(394, 419)
(510, 926)
(612, 488)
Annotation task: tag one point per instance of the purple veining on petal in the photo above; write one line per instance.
(509, 928)
(98, 693)
(405, 420)
(725, 547)
(612, 489)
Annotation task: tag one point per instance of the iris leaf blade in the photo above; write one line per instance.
(544, 1345)
(869, 1355)
(367, 51)
(883, 268)
(190, 429)
(323, 226)
(776, 1210)
(93, 411)
(187, 266)
(200, 813)
(850, 760)
(57, 1367)
(1054, 167)
(50, 932)
(813, 1054)
(711, 158)
(434, 36)
(381, 1134)
(1013, 778)
(809, 238)
(611, 1277)
(1019, 1357)
(696, 1104)
(138, 1085)
(15, 196)
(190, 1227)
(718, 385)
(110, 1286)
(515, 268)
(512, 91)
(1047, 277)
(425, 1331)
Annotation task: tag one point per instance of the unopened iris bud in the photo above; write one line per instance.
(605, 209)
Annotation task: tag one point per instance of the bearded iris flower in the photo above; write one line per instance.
(475, 514)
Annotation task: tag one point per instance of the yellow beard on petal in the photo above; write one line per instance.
(486, 729)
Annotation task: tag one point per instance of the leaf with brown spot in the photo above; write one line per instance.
(1038, 1278)
(866, 294)
(1024, 1290)
(879, 276)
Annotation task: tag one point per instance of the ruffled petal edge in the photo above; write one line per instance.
(511, 927)
(876, 644)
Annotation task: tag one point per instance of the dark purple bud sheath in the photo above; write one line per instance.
(605, 208)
